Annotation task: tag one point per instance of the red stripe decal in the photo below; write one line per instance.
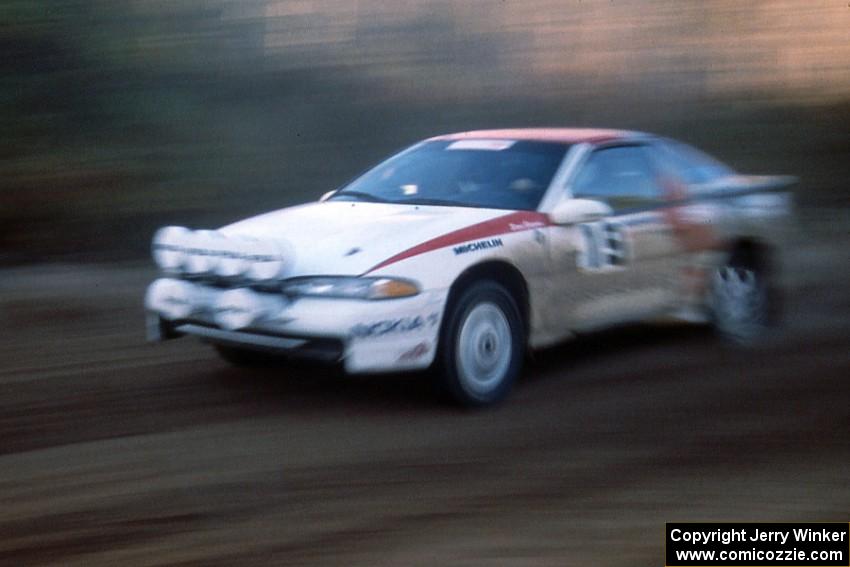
(514, 222)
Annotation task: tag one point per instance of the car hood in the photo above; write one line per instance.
(351, 238)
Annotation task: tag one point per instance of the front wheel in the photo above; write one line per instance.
(482, 345)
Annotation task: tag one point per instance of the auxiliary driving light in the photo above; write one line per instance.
(203, 252)
(169, 247)
(172, 299)
(265, 261)
(237, 309)
(233, 261)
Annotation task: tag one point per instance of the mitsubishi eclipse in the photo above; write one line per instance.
(465, 251)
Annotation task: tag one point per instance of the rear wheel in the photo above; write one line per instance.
(482, 345)
(743, 303)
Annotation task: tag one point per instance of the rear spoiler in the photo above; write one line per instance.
(759, 195)
(743, 185)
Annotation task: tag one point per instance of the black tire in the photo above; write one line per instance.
(744, 303)
(476, 366)
(246, 358)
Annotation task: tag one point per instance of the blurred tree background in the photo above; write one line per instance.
(123, 115)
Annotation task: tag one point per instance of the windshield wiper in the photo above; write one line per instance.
(361, 195)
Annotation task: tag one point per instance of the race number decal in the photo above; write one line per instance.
(603, 246)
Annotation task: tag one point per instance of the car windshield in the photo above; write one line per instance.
(501, 174)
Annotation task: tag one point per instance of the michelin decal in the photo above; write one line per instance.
(479, 245)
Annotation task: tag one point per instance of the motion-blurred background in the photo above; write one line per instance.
(123, 115)
(119, 116)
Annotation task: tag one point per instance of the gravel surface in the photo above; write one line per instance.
(117, 452)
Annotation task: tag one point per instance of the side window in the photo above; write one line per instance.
(621, 176)
(689, 164)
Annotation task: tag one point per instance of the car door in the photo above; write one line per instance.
(624, 266)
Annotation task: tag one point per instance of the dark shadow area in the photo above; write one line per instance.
(294, 386)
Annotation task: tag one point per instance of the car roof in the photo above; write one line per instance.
(562, 135)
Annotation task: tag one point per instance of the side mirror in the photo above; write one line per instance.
(326, 196)
(574, 211)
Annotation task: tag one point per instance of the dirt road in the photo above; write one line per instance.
(115, 452)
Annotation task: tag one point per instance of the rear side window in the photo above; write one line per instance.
(690, 165)
(622, 176)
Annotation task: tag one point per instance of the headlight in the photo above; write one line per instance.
(350, 287)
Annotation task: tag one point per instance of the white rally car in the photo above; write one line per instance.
(464, 251)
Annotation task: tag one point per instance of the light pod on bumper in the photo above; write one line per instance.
(169, 247)
(267, 260)
(237, 309)
(203, 252)
(233, 261)
(171, 299)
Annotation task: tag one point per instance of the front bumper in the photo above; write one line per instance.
(366, 336)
